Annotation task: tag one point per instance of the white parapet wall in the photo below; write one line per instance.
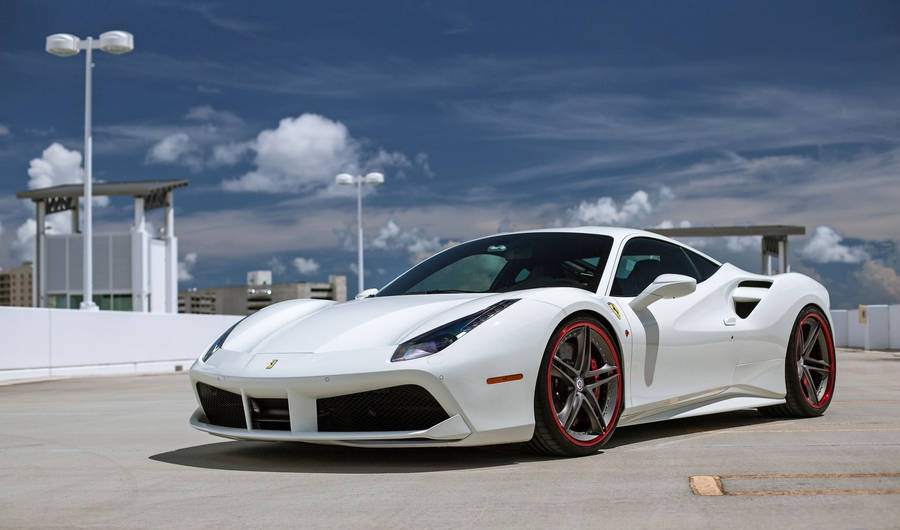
(839, 318)
(38, 343)
(880, 329)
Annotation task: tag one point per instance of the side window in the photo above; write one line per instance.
(643, 259)
(705, 267)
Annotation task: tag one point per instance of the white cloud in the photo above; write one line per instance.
(306, 265)
(278, 268)
(4, 130)
(670, 224)
(300, 154)
(176, 148)
(229, 154)
(423, 161)
(742, 243)
(824, 246)
(186, 266)
(207, 114)
(57, 165)
(605, 211)
(879, 282)
(383, 159)
(414, 241)
(304, 154)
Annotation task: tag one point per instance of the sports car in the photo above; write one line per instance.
(550, 337)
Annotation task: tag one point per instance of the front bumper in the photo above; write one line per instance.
(476, 413)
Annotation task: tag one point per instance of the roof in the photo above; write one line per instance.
(65, 196)
(136, 188)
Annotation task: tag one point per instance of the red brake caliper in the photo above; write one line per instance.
(594, 367)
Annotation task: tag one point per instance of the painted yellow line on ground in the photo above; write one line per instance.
(707, 485)
(764, 431)
(814, 475)
(711, 485)
(816, 492)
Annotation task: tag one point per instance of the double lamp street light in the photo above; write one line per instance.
(65, 45)
(346, 179)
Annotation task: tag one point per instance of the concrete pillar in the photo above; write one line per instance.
(140, 260)
(171, 290)
(39, 269)
(765, 258)
(139, 219)
(75, 228)
(782, 254)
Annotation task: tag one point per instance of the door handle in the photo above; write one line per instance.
(730, 321)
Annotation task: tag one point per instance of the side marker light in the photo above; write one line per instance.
(504, 379)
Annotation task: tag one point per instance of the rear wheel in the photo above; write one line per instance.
(579, 393)
(810, 368)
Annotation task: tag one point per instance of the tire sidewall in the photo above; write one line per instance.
(795, 395)
(543, 407)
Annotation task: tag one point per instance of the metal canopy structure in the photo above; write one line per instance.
(63, 197)
(774, 238)
(147, 194)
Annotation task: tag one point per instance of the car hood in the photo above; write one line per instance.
(312, 326)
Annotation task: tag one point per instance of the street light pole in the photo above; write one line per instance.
(359, 239)
(66, 45)
(345, 179)
(87, 300)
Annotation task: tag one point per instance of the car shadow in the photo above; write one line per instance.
(295, 457)
(686, 426)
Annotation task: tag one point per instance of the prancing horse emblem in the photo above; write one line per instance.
(615, 310)
(271, 364)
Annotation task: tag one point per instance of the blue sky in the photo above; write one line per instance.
(484, 116)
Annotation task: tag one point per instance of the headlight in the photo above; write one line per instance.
(437, 339)
(219, 342)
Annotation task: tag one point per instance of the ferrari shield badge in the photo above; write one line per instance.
(615, 310)
(271, 364)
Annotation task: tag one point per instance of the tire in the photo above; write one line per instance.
(592, 392)
(809, 368)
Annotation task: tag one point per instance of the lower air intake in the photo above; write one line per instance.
(221, 407)
(270, 414)
(398, 408)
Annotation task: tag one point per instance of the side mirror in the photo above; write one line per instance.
(664, 286)
(366, 294)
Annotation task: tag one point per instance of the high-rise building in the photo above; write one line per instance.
(257, 294)
(16, 286)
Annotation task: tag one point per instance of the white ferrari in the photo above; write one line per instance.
(551, 337)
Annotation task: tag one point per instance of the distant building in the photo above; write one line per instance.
(257, 294)
(16, 287)
(259, 278)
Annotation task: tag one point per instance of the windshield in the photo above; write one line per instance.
(509, 263)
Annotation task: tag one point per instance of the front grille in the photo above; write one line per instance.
(221, 407)
(270, 414)
(398, 408)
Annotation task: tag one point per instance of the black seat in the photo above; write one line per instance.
(642, 275)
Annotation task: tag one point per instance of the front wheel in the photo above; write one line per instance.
(578, 398)
(810, 368)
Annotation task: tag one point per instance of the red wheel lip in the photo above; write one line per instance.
(831, 374)
(615, 353)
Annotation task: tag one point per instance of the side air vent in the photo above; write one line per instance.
(759, 284)
(743, 309)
